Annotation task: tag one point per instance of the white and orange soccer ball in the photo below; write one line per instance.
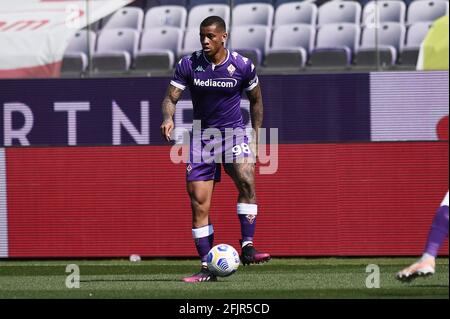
(223, 260)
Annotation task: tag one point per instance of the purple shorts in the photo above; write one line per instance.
(208, 152)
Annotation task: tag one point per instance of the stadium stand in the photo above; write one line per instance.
(313, 46)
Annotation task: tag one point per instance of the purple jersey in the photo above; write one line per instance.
(216, 89)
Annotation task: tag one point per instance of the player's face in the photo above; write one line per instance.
(212, 39)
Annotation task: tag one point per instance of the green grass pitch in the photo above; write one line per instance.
(285, 278)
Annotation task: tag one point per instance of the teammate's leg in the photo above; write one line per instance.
(437, 234)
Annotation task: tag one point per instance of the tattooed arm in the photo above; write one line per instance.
(168, 110)
(256, 113)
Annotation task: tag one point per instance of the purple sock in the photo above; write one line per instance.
(204, 239)
(247, 217)
(438, 231)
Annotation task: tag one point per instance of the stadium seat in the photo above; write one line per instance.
(414, 38)
(170, 16)
(198, 13)
(388, 11)
(391, 37)
(239, 2)
(296, 12)
(339, 12)
(127, 17)
(156, 3)
(158, 49)
(115, 49)
(335, 46)
(251, 41)
(424, 11)
(76, 56)
(291, 45)
(193, 3)
(253, 14)
(277, 3)
(191, 42)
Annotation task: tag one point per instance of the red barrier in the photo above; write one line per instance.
(325, 199)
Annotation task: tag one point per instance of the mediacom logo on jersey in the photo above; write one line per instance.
(220, 82)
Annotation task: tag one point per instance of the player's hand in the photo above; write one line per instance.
(167, 127)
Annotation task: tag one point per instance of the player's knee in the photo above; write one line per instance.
(198, 202)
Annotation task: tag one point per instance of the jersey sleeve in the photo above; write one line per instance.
(250, 77)
(180, 76)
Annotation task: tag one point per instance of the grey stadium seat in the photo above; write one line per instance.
(76, 56)
(191, 42)
(291, 45)
(414, 38)
(238, 2)
(251, 41)
(391, 37)
(198, 13)
(193, 3)
(335, 46)
(296, 12)
(115, 50)
(388, 11)
(157, 3)
(253, 14)
(166, 16)
(424, 11)
(339, 12)
(127, 17)
(158, 49)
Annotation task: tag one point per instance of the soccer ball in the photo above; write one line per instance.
(223, 260)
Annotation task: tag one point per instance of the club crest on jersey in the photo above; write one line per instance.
(231, 69)
(250, 218)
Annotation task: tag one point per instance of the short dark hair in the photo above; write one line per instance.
(211, 20)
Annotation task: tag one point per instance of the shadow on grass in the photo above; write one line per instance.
(130, 280)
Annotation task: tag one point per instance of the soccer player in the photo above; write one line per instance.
(216, 78)
(438, 232)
